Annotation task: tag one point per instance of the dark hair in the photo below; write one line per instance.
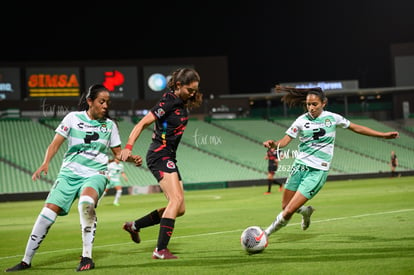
(186, 76)
(92, 93)
(297, 96)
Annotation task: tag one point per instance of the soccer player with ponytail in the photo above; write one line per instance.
(170, 117)
(316, 130)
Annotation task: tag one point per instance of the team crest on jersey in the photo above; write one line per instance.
(160, 112)
(328, 123)
(170, 164)
(103, 128)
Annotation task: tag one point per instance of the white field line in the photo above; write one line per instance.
(217, 233)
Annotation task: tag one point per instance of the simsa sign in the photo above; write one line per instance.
(53, 82)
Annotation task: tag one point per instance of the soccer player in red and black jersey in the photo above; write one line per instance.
(273, 162)
(393, 164)
(170, 117)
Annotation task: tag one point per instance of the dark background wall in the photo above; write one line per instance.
(266, 42)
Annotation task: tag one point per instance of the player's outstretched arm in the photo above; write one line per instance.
(278, 144)
(363, 130)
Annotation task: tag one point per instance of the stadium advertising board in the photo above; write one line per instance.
(52, 82)
(331, 86)
(121, 81)
(10, 84)
(156, 79)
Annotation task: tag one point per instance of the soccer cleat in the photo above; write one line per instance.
(134, 234)
(163, 254)
(306, 217)
(267, 193)
(85, 264)
(20, 266)
(116, 204)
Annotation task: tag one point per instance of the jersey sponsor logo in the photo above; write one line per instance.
(317, 133)
(170, 164)
(103, 128)
(64, 128)
(90, 136)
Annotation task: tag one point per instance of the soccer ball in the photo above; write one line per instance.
(253, 239)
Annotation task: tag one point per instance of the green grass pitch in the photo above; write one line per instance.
(359, 227)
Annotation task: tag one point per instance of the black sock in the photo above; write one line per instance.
(269, 185)
(152, 218)
(166, 230)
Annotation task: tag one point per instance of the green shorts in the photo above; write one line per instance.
(307, 180)
(113, 184)
(66, 190)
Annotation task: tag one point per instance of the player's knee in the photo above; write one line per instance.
(86, 207)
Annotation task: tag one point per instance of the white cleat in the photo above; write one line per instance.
(306, 221)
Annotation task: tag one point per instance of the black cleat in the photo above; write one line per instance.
(20, 266)
(85, 264)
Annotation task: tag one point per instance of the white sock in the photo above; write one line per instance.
(44, 221)
(277, 224)
(117, 195)
(86, 208)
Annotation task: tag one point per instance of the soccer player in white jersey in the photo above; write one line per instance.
(115, 172)
(90, 134)
(316, 131)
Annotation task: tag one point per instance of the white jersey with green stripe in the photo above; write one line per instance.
(115, 171)
(88, 144)
(317, 138)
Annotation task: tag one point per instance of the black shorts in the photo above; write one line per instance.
(272, 168)
(159, 164)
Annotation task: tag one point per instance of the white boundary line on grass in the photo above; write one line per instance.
(221, 232)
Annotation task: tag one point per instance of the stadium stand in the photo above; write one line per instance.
(212, 153)
(409, 128)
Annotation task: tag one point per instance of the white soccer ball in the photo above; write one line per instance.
(253, 239)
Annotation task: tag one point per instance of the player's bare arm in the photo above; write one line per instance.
(363, 130)
(278, 144)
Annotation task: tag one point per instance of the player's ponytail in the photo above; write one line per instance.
(297, 96)
(91, 94)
